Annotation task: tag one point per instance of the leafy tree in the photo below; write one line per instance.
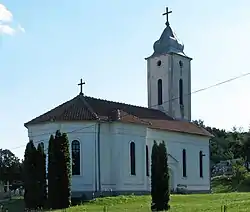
(239, 172)
(30, 176)
(227, 145)
(10, 166)
(160, 190)
(246, 146)
(41, 176)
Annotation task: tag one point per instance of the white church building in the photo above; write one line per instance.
(111, 142)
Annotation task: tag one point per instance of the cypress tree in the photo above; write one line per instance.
(159, 178)
(164, 190)
(65, 172)
(41, 176)
(30, 176)
(52, 192)
(154, 176)
(58, 170)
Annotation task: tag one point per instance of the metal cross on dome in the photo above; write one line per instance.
(166, 14)
(81, 84)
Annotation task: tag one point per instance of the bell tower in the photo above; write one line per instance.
(169, 76)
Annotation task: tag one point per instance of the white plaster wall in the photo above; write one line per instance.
(108, 157)
(185, 75)
(125, 134)
(115, 141)
(85, 133)
(154, 74)
(193, 144)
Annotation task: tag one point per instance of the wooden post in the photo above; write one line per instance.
(225, 208)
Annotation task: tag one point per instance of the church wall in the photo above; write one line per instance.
(193, 144)
(109, 157)
(115, 141)
(126, 133)
(85, 133)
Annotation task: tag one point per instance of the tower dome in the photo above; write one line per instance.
(168, 42)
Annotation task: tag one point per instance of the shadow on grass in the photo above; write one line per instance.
(14, 205)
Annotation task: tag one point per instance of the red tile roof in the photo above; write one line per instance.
(88, 108)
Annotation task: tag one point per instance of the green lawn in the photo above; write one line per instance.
(236, 202)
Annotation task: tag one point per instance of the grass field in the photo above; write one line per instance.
(236, 202)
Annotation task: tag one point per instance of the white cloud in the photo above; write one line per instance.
(6, 29)
(6, 21)
(20, 28)
(5, 14)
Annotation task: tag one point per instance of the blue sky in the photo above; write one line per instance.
(55, 43)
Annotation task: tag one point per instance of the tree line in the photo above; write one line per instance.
(50, 190)
(227, 145)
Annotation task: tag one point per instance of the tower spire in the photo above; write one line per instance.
(166, 14)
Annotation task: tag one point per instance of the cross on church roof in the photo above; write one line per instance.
(166, 13)
(81, 84)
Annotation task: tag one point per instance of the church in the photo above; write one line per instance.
(111, 142)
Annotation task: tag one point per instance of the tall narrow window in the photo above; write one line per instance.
(184, 163)
(75, 149)
(132, 158)
(201, 164)
(147, 161)
(159, 92)
(181, 92)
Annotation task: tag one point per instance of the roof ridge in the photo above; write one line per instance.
(82, 98)
(109, 101)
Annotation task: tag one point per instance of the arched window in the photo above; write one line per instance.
(201, 164)
(75, 149)
(147, 161)
(132, 158)
(159, 92)
(184, 163)
(181, 92)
